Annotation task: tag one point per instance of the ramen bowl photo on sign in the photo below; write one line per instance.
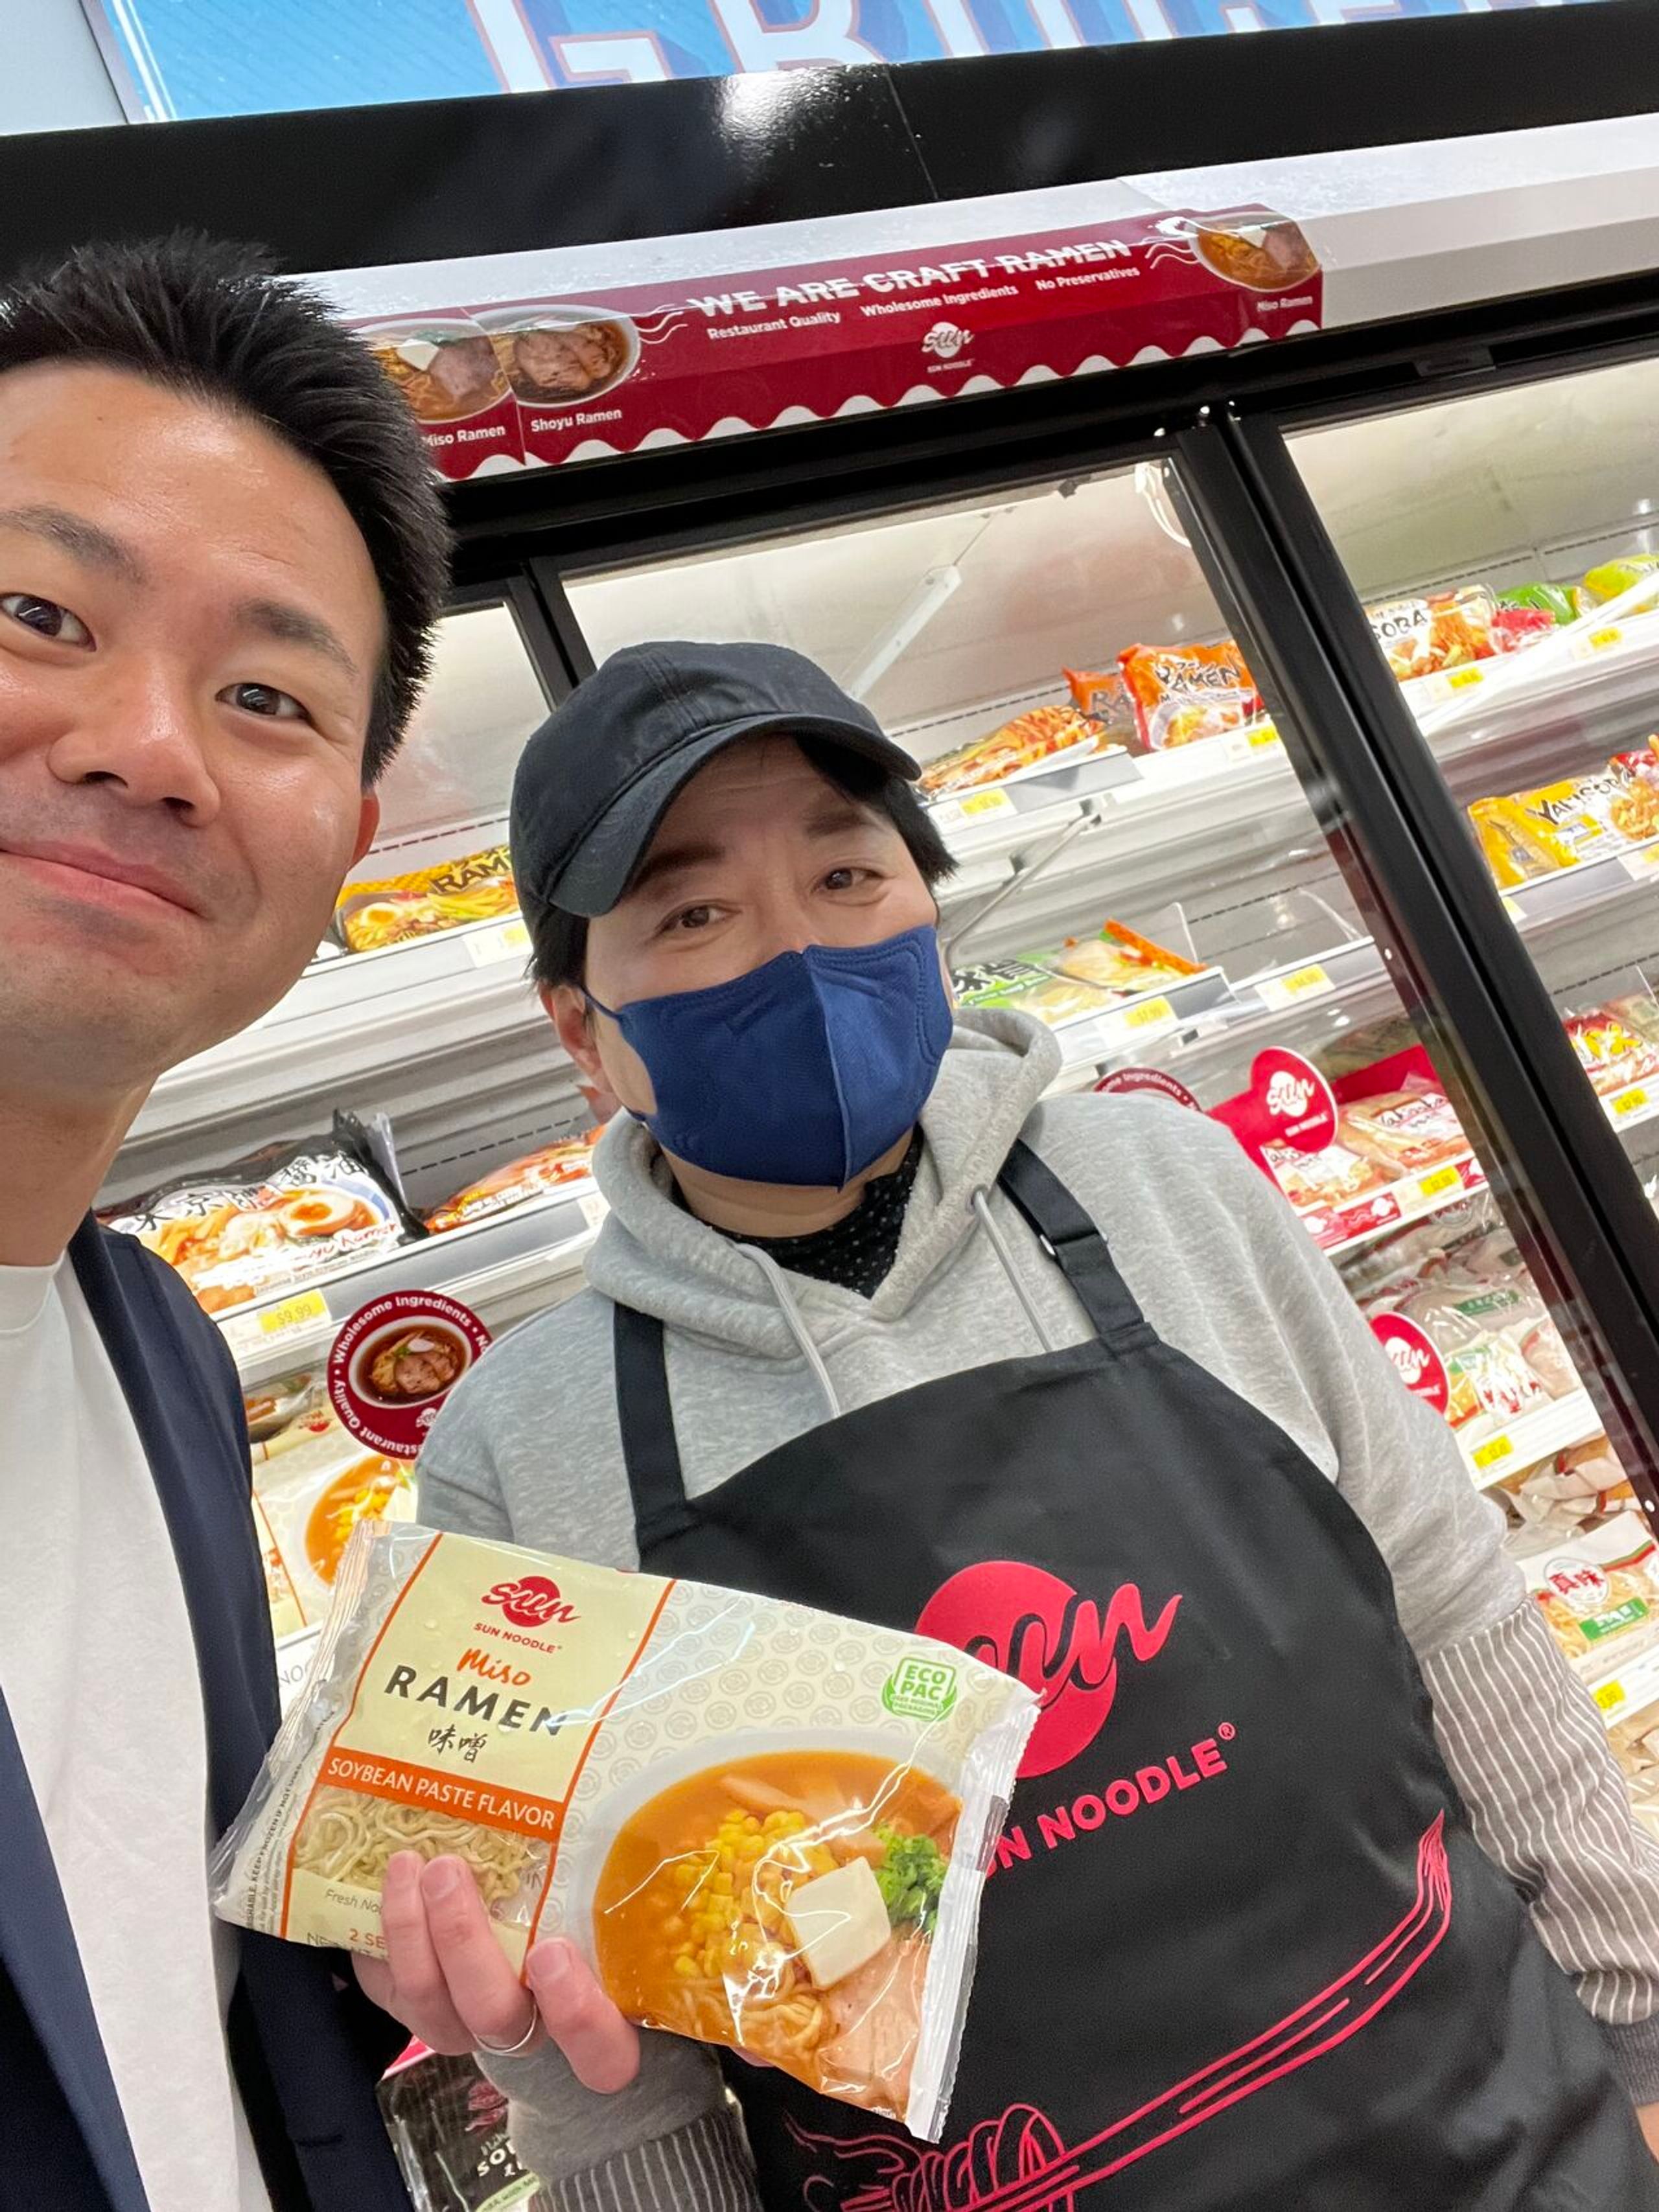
(395, 1362)
(558, 356)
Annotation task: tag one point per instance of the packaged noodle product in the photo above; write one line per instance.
(1116, 958)
(1334, 1176)
(1557, 602)
(277, 1217)
(519, 1181)
(1029, 988)
(1577, 1485)
(1405, 1131)
(1600, 1593)
(449, 2128)
(1445, 629)
(476, 888)
(1105, 698)
(751, 1850)
(1184, 693)
(1022, 743)
(1612, 1053)
(1612, 577)
(1528, 834)
(313, 1483)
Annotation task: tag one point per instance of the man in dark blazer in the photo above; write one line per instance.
(221, 558)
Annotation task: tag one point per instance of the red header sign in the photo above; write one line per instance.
(547, 380)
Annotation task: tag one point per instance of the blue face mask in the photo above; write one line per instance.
(804, 1071)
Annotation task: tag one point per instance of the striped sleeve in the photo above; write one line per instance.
(1528, 1751)
(702, 2167)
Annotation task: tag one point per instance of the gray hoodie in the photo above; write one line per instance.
(529, 1449)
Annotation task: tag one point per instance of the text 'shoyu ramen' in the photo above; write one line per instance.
(765, 1826)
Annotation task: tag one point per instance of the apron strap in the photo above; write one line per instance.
(645, 1417)
(1071, 1240)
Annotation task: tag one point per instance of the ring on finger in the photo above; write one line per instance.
(513, 2049)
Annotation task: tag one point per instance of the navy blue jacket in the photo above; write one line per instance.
(306, 2050)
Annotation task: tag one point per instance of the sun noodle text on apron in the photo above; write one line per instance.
(1240, 1951)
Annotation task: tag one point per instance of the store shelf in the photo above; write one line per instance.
(504, 1268)
(1535, 1437)
(1135, 1023)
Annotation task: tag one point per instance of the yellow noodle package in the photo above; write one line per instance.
(766, 1826)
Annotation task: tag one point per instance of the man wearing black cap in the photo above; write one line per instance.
(876, 1324)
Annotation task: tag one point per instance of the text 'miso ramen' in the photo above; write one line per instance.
(766, 1826)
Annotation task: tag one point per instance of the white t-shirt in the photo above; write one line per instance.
(98, 1670)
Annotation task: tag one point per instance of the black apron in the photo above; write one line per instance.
(1239, 1952)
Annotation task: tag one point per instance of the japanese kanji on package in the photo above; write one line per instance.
(766, 1826)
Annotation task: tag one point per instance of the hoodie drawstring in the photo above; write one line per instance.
(999, 1245)
(778, 1283)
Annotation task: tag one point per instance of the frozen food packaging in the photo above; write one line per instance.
(1103, 694)
(1444, 629)
(1524, 835)
(1612, 1053)
(277, 1217)
(533, 1176)
(1611, 577)
(1404, 1131)
(1029, 988)
(1117, 959)
(1185, 693)
(448, 2126)
(766, 1826)
(476, 888)
(1599, 1591)
(1028, 738)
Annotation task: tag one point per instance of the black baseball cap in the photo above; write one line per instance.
(601, 772)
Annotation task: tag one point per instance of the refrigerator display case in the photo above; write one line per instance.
(1297, 768)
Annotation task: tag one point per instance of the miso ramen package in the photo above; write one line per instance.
(766, 1826)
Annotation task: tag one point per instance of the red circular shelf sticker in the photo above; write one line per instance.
(395, 1362)
(1420, 1366)
(1296, 1105)
(1149, 1078)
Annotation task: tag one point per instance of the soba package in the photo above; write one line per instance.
(766, 1826)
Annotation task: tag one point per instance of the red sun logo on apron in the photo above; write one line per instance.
(1067, 1648)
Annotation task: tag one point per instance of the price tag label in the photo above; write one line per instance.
(1310, 982)
(1147, 1019)
(981, 803)
(1492, 1453)
(1442, 1178)
(1639, 865)
(1609, 1695)
(1631, 1105)
(1251, 743)
(507, 940)
(594, 1206)
(1461, 679)
(295, 1317)
(1513, 907)
(1603, 641)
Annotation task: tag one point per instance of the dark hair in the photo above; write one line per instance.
(558, 940)
(214, 321)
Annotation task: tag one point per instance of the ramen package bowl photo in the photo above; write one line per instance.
(765, 1827)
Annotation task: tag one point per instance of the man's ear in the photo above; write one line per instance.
(572, 1017)
(368, 824)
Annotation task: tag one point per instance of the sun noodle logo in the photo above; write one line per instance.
(946, 340)
(1067, 1648)
(532, 1602)
(1289, 1095)
(1411, 1360)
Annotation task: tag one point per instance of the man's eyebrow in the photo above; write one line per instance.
(673, 860)
(291, 625)
(833, 815)
(89, 543)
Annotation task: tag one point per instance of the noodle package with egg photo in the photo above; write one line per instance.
(765, 1827)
